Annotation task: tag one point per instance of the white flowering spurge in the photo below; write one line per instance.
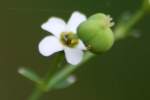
(63, 38)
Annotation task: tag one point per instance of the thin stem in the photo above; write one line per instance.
(56, 78)
(40, 89)
(66, 71)
(57, 61)
(37, 93)
(122, 29)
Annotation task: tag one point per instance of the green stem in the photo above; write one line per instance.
(57, 61)
(68, 69)
(123, 28)
(56, 78)
(37, 93)
(40, 88)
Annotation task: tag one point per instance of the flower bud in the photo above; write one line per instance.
(96, 33)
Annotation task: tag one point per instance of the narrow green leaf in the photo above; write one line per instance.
(29, 74)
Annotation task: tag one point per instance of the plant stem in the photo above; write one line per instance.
(40, 88)
(68, 69)
(122, 29)
(56, 78)
(37, 93)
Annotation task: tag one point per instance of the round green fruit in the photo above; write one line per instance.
(98, 16)
(96, 34)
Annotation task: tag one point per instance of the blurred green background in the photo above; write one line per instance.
(121, 74)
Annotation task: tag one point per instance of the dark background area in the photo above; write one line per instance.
(123, 73)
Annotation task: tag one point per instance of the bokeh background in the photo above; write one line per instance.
(123, 73)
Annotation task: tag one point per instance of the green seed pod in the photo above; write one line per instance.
(98, 16)
(96, 33)
(104, 20)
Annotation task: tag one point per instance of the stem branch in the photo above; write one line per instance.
(37, 93)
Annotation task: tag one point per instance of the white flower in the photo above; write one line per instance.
(59, 41)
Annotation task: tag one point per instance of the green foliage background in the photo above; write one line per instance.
(121, 74)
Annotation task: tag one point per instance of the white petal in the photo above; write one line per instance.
(54, 25)
(73, 55)
(50, 45)
(76, 19)
(81, 46)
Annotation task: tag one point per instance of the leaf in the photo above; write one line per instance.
(29, 74)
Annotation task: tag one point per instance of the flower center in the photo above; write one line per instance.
(69, 39)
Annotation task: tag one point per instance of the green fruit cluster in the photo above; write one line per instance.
(96, 33)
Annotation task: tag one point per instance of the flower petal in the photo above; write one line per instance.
(54, 25)
(73, 55)
(50, 45)
(76, 19)
(81, 46)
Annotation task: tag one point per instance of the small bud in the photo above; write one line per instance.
(96, 33)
